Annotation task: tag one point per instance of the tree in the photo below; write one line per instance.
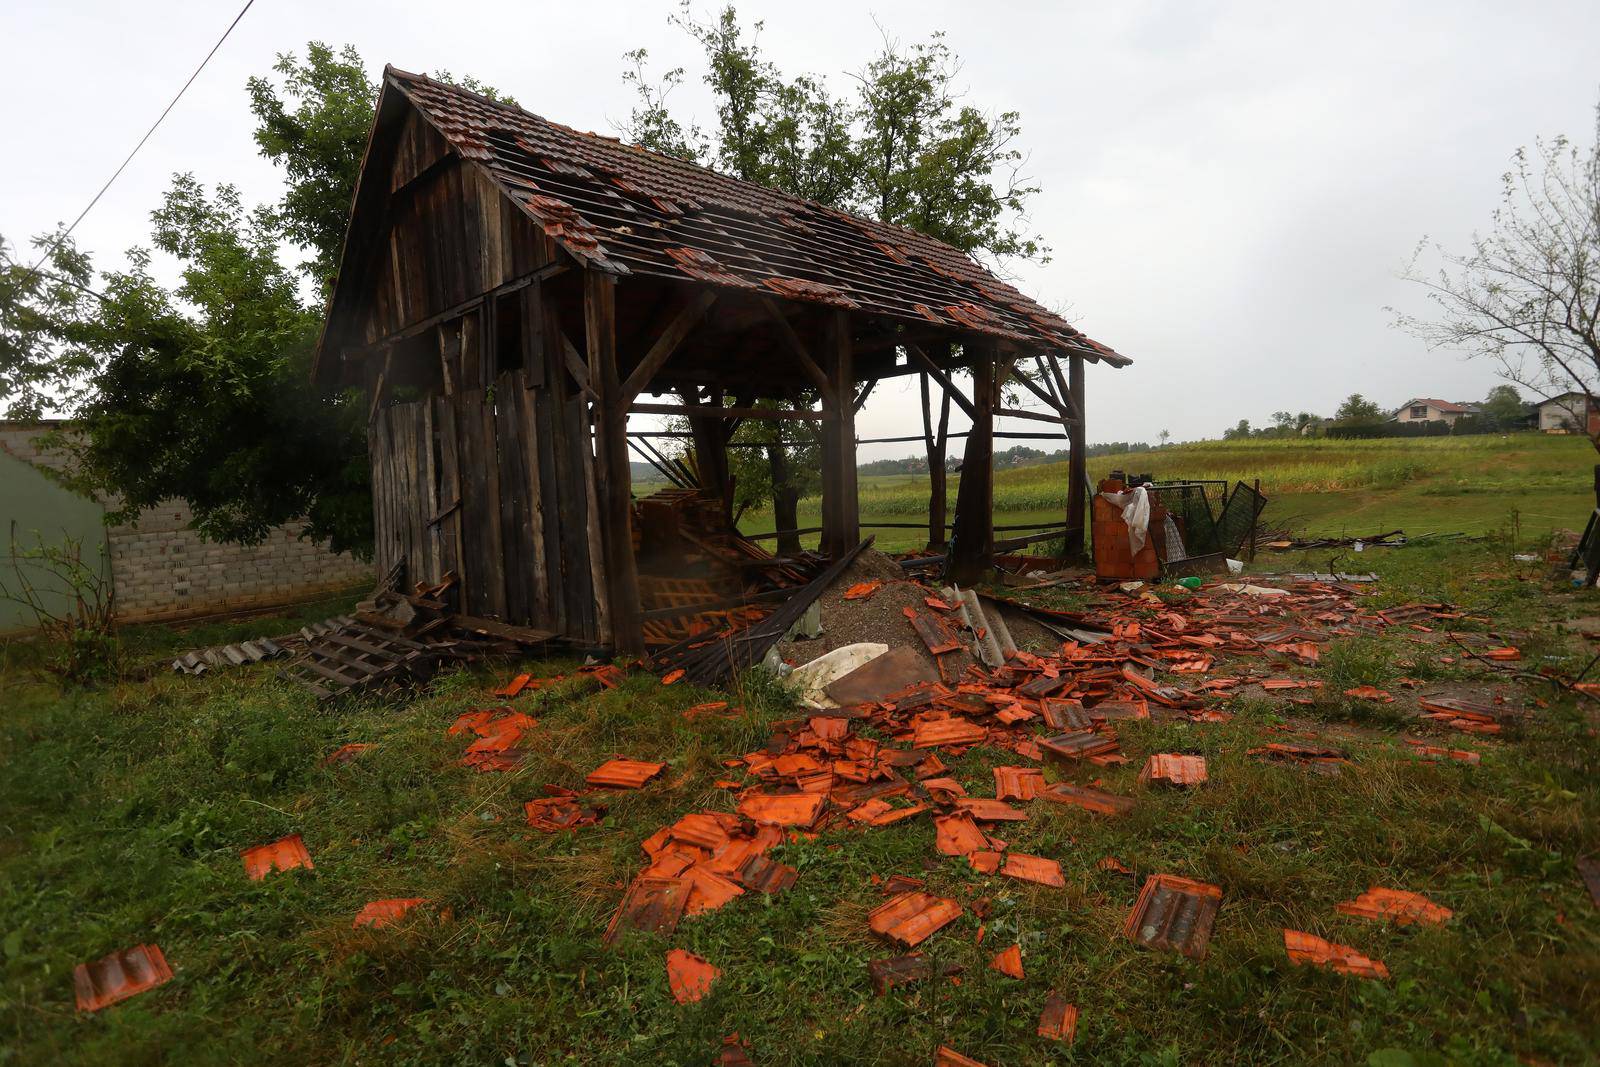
(315, 127)
(202, 392)
(38, 372)
(1357, 408)
(1504, 408)
(903, 148)
(1240, 432)
(1526, 295)
(1165, 435)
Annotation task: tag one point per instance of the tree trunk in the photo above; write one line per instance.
(785, 500)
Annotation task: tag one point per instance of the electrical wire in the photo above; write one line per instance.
(62, 236)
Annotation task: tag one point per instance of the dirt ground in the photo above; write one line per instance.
(881, 617)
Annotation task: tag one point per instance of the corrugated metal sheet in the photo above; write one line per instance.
(235, 655)
(628, 211)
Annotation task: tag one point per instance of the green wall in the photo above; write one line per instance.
(33, 506)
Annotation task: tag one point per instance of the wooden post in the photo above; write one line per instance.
(972, 541)
(614, 489)
(1077, 462)
(710, 437)
(935, 444)
(841, 510)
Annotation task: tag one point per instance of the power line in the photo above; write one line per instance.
(56, 242)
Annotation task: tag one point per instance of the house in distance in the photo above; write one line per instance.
(510, 289)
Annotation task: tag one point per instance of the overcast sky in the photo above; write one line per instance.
(1230, 188)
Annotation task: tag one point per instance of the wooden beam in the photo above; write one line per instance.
(667, 342)
(841, 508)
(972, 541)
(614, 478)
(1049, 398)
(576, 366)
(455, 311)
(796, 348)
(706, 411)
(1036, 416)
(866, 391)
(938, 375)
(1077, 461)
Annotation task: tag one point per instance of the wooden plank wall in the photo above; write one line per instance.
(492, 476)
(515, 460)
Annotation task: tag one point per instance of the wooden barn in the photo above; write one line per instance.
(510, 289)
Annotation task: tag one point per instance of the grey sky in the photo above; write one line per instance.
(1230, 188)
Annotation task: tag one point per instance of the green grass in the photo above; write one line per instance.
(122, 812)
(1320, 487)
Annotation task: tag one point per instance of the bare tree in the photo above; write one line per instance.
(1527, 294)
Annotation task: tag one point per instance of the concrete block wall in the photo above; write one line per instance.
(161, 569)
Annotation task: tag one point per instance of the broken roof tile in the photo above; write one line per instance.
(956, 834)
(946, 1056)
(912, 917)
(896, 971)
(788, 809)
(1033, 869)
(380, 913)
(1174, 769)
(1398, 905)
(688, 976)
(987, 809)
(1090, 799)
(1018, 783)
(346, 753)
(1059, 1020)
(1308, 948)
(118, 976)
(1008, 962)
(624, 773)
(1174, 913)
(652, 904)
(284, 854)
(932, 733)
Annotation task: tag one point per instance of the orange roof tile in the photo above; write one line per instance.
(282, 855)
(118, 976)
(912, 917)
(794, 809)
(379, 913)
(1058, 1020)
(1033, 869)
(624, 773)
(689, 976)
(1308, 948)
(1395, 904)
(1008, 962)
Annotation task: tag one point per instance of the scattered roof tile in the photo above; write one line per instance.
(1174, 913)
(689, 976)
(1398, 905)
(1308, 948)
(118, 976)
(282, 855)
(912, 917)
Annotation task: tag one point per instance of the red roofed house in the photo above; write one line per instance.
(1424, 409)
(509, 288)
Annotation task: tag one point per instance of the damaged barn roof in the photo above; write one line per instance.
(629, 211)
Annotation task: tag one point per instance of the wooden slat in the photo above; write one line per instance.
(707, 411)
(515, 527)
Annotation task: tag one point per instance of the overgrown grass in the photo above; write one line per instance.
(122, 813)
